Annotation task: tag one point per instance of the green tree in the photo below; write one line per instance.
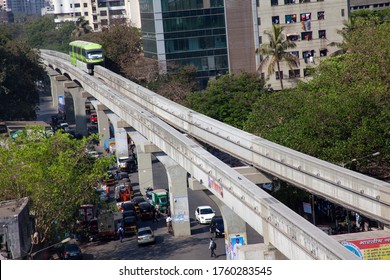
(343, 113)
(274, 52)
(228, 99)
(55, 173)
(19, 71)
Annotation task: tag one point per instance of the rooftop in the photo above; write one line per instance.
(12, 207)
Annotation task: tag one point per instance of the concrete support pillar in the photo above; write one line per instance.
(143, 150)
(178, 195)
(79, 108)
(57, 88)
(145, 170)
(121, 143)
(103, 122)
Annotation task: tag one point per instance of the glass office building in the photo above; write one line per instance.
(186, 32)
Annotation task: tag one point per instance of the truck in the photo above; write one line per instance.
(124, 191)
(160, 200)
(106, 225)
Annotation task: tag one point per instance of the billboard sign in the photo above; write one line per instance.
(370, 249)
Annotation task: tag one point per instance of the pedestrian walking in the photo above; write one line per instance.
(121, 233)
(212, 247)
(169, 224)
(154, 214)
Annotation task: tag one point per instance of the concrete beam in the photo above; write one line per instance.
(85, 94)
(101, 107)
(122, 124)
(61, 78)
(195, 185)
(71, 84)
(253, 175)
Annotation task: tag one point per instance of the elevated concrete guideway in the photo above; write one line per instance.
(366, 195)
(288, 232)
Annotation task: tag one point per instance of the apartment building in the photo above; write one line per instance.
(311, 24)
(189, 32)
(220, 36)
(22, 7)
(356, 5)
(98, 13)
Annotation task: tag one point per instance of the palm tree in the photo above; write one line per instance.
(276, 51)
(82, 27)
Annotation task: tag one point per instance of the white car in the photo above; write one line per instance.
(204, 214)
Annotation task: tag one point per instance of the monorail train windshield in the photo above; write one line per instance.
(94, 54)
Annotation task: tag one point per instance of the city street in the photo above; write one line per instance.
(167, 247)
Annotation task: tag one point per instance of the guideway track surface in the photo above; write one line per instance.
(295, 237)
(366, 195)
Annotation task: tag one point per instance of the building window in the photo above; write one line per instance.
(103, 13)
(287, 2)
(342, 13)
(104, 22)
(71, 5)
(321, 15)
(323, 52)
(85, 5)
(279, 75)
(322, 34)
(291, 18)
(306, 35)
(258, 21)
(77, 5)
(307, 55)
(260, 40)
(95, 26)
(295, 73)
(257, 3)
(77, 14)
(305, 16)
(295, 53)
(275, 20)
(86, 14)
(293, 37)
(274, 2)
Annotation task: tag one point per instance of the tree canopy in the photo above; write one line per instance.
(344, 112)
(228, 99)
(19, 71)
(54, 172)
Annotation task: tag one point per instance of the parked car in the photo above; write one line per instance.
(126, 206)
(217, 227)
(145, 235)
(70, 251)
(138, 199)
(145, 210)
(204, 214)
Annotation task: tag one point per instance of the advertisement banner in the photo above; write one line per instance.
(232, 242)
(370, 249)
(61, 104)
